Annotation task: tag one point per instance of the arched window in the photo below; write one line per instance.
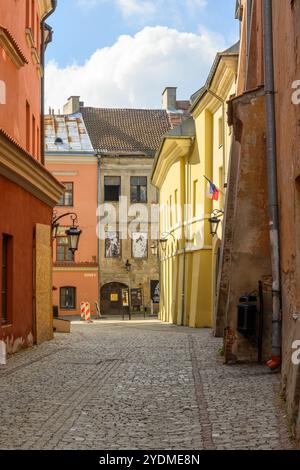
(68, 298)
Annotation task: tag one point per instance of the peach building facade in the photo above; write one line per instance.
(71, 159)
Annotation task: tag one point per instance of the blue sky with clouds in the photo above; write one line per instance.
(124, 52)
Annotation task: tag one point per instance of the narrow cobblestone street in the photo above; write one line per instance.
(139, 385)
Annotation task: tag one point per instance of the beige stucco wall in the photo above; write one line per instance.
(142, 270)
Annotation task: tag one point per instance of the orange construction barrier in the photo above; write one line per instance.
(87, 311)
(82, 309)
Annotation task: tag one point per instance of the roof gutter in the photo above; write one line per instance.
(42, 54)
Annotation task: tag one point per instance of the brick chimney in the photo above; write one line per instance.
(73, 105)
(169, 98)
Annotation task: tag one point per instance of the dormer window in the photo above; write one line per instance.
(58, 141)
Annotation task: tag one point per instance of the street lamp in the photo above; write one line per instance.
(215, 221)
(164, 239)
(73, 233)
(128, 266)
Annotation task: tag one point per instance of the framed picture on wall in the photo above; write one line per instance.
(112, 245)
(139, 245)
(155, 292)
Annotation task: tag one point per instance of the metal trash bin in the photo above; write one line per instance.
(55, 311)
(247, 315)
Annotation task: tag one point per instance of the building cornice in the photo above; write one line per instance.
(21, 168)
(171, 150)
(81, 159)
(114, 166)
(221, 85)
(75, 268)
(12, 48)
(222, 74)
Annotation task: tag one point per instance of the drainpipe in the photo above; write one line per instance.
(99, 238)
(272, 182)
(43, 49)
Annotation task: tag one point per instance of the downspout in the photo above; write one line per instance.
(43, 49)
(99, 237)
(272, 182)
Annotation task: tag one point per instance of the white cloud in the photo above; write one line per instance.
(135, 70)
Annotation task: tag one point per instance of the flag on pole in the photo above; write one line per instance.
(212, 191)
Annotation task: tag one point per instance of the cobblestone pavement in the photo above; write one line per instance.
(138, 385)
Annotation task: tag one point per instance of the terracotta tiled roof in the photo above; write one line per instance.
(126, 130)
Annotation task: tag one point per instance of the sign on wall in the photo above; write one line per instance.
(155, 292)
(136, 297)
(112, 245)
(125, 298)
(140, 245)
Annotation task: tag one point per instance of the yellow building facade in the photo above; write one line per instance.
(199, 148)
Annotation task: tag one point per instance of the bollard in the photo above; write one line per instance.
(87, 312)
(97, 310)
(82, 309)
(2, 353)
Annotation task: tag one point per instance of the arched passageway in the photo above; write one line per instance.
(113, 298)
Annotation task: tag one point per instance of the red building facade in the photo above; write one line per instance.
(28, 191)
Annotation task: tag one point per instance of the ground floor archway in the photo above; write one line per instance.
(113, 298)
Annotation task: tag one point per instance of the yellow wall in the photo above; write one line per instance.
(185, 179)
(188, 265)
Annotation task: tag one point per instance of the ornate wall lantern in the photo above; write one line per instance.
(73, 233)
(215, 221)
(128, 266)
(164, 240)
